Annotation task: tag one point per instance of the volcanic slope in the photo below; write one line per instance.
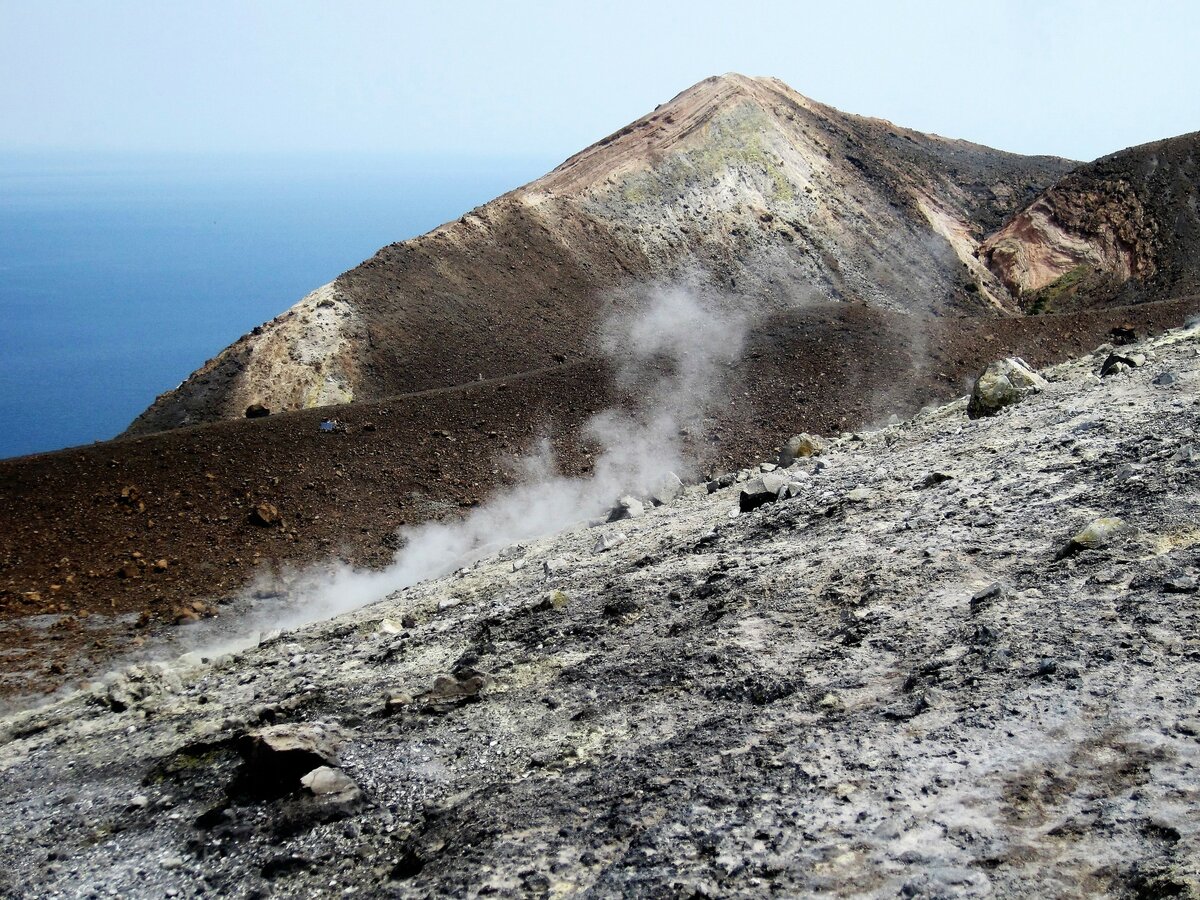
(1120, 230)
(923, 675)
(738, 185)
(103, 547)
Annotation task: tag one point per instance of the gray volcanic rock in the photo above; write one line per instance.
(801, 446)
(738, 186)
(1002, 384)
(913, 694)
(762, 489)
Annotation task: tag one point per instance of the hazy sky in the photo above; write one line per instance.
(522, 79)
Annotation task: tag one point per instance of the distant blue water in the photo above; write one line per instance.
(119, 276)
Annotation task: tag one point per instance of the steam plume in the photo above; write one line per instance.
(673, 352)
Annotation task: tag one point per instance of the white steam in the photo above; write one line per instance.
(672, 354)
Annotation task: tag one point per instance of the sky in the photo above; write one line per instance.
(544, 79)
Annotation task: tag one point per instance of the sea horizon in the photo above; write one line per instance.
(122, 273)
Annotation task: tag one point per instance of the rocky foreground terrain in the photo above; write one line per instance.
(955, 657)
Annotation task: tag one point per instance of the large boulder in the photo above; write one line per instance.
(1002, 384)
(763, 489)
(277, 757)
(801, 446)
(1097, 534)
(668, 488)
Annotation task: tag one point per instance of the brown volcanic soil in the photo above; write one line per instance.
(81, 530)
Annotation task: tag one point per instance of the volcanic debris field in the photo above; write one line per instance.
(954, 658)
(109, 548)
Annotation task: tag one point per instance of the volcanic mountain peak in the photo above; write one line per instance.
(674, 126)
(738, 186)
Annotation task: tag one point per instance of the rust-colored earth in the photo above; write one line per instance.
(103, 547)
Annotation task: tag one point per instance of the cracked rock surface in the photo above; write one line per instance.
(890, 681)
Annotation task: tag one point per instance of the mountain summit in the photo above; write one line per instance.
(738, 185)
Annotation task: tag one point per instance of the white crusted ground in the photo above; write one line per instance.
(890, 684)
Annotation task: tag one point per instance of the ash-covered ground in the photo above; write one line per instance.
(961, 658)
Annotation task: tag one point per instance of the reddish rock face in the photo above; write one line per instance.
(1101, 227)
(1122, 229)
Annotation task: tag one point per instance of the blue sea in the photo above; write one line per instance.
(121, 275)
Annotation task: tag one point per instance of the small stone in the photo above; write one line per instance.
(461, 685)
(1097, 534)
(1186, 454)
(1047, 667)
(932, 479)
(626, 508)
(555, 600)
(448, 603)
(1125, 471)
(1180, 584)
(265, 515)
(767, 467)
(1189, 726)
(1165, 379)
(396, 701)
(860, 494)
(991, 592)
(328, 780)
(390, 626)
(551, 567)
(608, 540)
(519, 564)
(1117, 364)
(622, 608)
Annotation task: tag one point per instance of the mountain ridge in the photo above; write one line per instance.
(445, 357)
(736, 185)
